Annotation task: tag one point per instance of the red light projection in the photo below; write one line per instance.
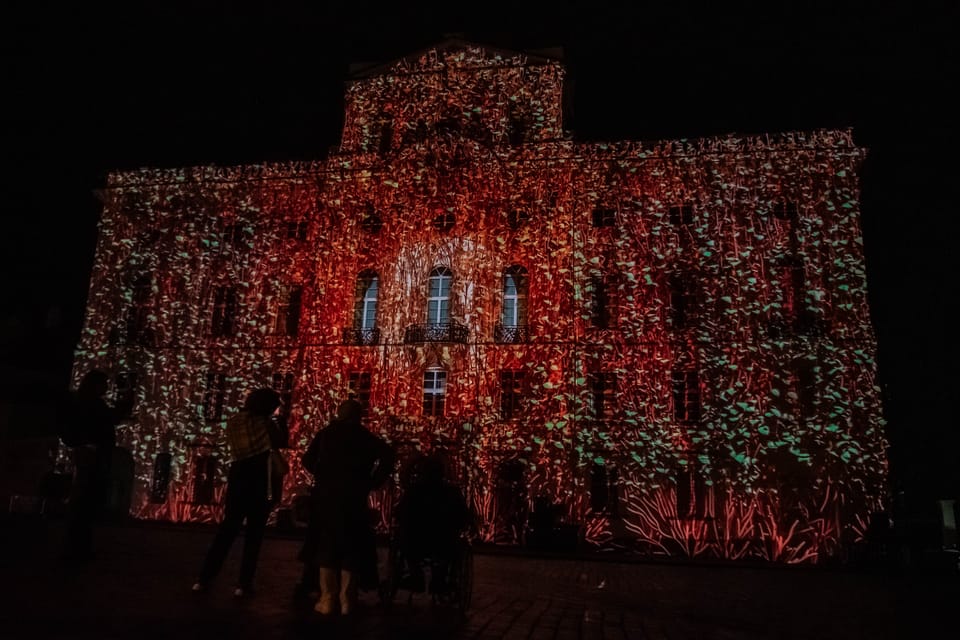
(669, 340)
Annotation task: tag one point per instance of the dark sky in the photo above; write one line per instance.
(183, 83)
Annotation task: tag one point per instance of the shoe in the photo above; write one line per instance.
(240, 592)
(325, 605)
(198, 587)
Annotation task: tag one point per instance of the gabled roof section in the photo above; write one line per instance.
(452, 43)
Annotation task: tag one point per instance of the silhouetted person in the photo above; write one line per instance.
(347, 462)
(431, 515)
(88, 427)
(253, 486)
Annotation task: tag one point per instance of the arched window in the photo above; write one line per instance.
(514, 297)
(365, 301)
(438, 299)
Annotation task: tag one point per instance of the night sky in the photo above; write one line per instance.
(184, 83)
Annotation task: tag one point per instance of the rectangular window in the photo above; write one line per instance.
(234, 235)
(434, 392)
(681, 215)
(604, 497)
(224, 317)
(686, 396)
(511, 393)
(682, 301)
(359, 385)
(214, 391)
(691, 493)
(296, 230)
(204, 478)
(602, 301)
(287, 319)
(126, 387)
(603, 387)
(785, 210)
(282, 383)
(604, 217)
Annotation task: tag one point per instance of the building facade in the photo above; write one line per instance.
(671, 341)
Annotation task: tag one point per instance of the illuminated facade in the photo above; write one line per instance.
(671, 340)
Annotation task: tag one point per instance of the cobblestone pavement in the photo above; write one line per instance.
(139, 587)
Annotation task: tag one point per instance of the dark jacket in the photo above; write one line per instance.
(347, 462)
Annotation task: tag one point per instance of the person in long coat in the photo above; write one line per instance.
(347, 463)
(254, 483)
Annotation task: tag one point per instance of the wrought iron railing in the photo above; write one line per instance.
(511, 334)
(436, 332)
(362, 337)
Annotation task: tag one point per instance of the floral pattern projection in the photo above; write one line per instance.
(681, 356)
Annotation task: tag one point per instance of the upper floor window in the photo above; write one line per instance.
(603, 488)
(385, 141)
(287, 319)
(682, 301)
(785, 210)
(234, 234)
(511, 393)
(515, 283)
(224, 317)
(603, 387)
(602, 301)
(434, 391)
(371, 222)
(604, 217)
(516, 218)
(125, 384)
(365, 301)
(140, 312)
(686, 396)
(445, 221)
(438, 299)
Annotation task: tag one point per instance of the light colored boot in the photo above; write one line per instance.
(348, 592)
(326, 605)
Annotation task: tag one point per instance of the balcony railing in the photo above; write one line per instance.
(511, 334)
(362, 337)
(436, 332)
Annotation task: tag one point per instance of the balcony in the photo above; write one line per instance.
(436, 332)
(511, 334)
(360, 337)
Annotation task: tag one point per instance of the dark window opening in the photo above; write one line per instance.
(296, 230)
(604, 217)
(235, 235)
(517, 130)
(603, 388)
(604, 496)
(224, 317)
(289, 305)
(160, 483)
(516, 218)
(785, 210)
(691, 493)
(204, 478)
(602, 312)
(282, 383)
(371, 223)
(682, 301)
(444, 221)
(126, 386)
(213, 396)
(686, 396)
(359, 384)
(681, 215)
(385, 142)
(511, 393)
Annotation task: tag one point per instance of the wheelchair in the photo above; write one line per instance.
(399, 576)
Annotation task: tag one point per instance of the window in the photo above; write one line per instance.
(385, 142)
(438, 300)
(682, 301)
(359, 385)
(602, 313)
(603, 489)
(681, 215)
(691, 493)
(140, 312)
(785, 210)
(234, 234)
(224, 316)
(126, 387)
(287, 320)
(686, 396)
(282, 383)
(296, 230)
(160, 483)
(204, 478)
(603, 386)
(214, 391)
(365, 301)
(445, 221)
(604, 217)
(516, 218)
(514, 297)
(371, 222)
(511, 393)
(434, 391)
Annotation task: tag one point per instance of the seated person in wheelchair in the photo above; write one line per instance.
(431, 516)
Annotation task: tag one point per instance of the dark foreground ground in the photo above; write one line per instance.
(139, 587)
